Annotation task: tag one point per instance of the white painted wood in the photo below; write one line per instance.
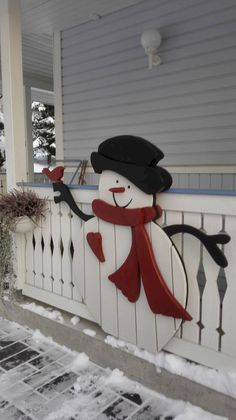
(180, 288)
(77, 274)
(179, 280)
(52, 299)
(138, 317)
(175, 218)
(66, 267)
(146, 326)
(165, 257)
(229, 307)
(126, 311)
(13, 94)
(56, 257)
(38, 259)
(211, 298)
(29, 259)
(201, 354)
(47, 254)
(191, 257)
(57, 81)
(153, 332)
(198, 203)
(109, 313)
(21, 263)
(92, 291)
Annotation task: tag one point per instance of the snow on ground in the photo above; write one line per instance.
(81, 361)
(220, 380)
(47, 312)
(75, 320)
(115, 380)
(64, 384)
(89, 332)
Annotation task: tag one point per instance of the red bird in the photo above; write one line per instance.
(55, 174)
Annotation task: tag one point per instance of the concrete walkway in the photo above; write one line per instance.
(41, 380)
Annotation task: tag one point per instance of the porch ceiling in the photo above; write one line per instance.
(46, 16)
(40, 18)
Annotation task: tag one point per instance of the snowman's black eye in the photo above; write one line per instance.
(128, 186)
(117, 181)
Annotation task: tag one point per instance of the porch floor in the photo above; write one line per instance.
(40, 379)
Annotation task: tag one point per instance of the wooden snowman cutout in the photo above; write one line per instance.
(126, 308)
(132, 278)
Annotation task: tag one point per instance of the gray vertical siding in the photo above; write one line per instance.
(205, 181)
(186, 106)
(196, 181)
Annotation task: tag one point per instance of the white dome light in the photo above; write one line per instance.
(150, 41)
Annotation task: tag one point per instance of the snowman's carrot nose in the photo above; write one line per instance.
(117, 189)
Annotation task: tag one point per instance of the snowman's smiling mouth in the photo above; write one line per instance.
(117, 205)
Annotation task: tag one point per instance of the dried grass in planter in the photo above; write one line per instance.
(19, 203)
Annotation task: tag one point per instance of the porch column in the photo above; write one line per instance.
(13, 92)
(57, 86)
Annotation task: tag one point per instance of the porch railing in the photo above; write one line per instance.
(49, 269)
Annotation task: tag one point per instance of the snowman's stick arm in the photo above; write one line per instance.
(209, 241)
(66, 196)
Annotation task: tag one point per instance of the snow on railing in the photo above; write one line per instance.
(52, 259)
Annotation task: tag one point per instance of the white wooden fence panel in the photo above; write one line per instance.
(108, 290)
(209, 338)
(146, 324)
(191, 256)
(29, 278)
(229, 303)
(172, 218)
(145, 319)
(77, 255)
(126, 310)
(56, 255)
(175, 218)
(163, 255)
(92, 292)
(210, 297)
(47, 253)
(38, 258)
(66, 267)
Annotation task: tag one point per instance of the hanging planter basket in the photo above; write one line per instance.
(22, 210)
(24, 225)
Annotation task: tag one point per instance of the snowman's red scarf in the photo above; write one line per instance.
(141, 260)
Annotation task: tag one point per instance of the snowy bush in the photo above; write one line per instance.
(43, 125)
(43, 132)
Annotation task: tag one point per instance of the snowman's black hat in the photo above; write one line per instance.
(136, 159)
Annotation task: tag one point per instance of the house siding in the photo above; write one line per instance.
(186, 106)
(192, 181)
